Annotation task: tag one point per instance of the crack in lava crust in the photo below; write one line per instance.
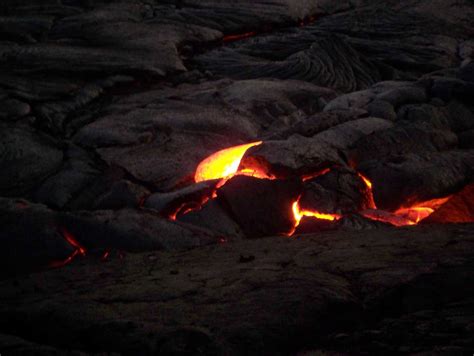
(225, 164)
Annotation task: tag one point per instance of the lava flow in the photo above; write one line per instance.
(299, 213)
(225, 163)
(403, 216)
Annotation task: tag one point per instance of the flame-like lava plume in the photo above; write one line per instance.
(224, 163)
(370, 195)
(299, 213)
(79, 250)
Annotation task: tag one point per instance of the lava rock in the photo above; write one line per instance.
(404, 138)
(212, 216)
(172, 203)
(314, 64)
(26, 158)
(261, 207)
(30, 237)
(340, 191)
(409, 179)
(132, 230)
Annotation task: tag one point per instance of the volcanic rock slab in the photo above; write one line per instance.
(261, 207)
(34, 237)
(337, 292)
(26, 159)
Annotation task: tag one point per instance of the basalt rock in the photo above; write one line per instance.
(299, 155)
(132, 230)
(324, 62)
(405, 138)
(340, 191)
(408, 179)
(294, 295)
(261, 207)
(212, 216)
(30, 237)
(173, 203)
(26, 159)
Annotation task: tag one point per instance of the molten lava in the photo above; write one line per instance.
(421, 211)
(406, 216)
(299, 213)
(370, 194)
(224, 164)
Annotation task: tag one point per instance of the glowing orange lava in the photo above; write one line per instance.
(315, 175)
(299, 213)
(406, 216)
(224, 164)
(421, 211)
(370, 196)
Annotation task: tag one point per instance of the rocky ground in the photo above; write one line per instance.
(106, 111)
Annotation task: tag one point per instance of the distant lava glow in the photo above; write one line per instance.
(224, 164)
(79, 250)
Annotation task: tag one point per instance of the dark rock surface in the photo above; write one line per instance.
(261, 207)
(338, 292)
(106, 110)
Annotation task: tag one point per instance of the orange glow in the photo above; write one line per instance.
(315, 175)
(421, 211)
(224, 163)
(386, 217)
(406, 216)
(79, 250)
(370, 196)
(298, 214)
(73, 242)
(241, 36)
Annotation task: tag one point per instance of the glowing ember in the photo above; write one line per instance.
(370, 195)
(298, 214)
(105, 255)
(224, 163)
(315, 175)
(79, 250)
(231, 38)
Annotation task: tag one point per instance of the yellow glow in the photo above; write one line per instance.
(223, 163)
(299, 214)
